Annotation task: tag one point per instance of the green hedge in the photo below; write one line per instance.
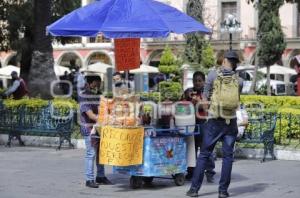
(61, 104)
(288, 125)
(272, 102)
(2, 91)
(288, 111)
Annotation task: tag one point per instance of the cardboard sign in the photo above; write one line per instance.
(127, 54)
(121, 147)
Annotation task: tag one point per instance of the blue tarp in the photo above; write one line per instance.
(125, 19)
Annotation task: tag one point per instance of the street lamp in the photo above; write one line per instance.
(231, 25)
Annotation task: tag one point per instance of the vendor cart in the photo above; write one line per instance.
(164, 155)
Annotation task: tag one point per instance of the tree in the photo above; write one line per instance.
(208, 59)
(270, 38)
(41, 73)
(170, 89)
(272, 42)
(194, 41)
(24, 28)
(167, 63)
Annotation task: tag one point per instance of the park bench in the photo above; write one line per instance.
(36, 122)
(260, 130)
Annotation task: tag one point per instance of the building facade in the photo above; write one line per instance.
(216, 10)
(90, 50)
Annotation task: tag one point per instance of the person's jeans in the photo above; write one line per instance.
(90, 156)
(215, 130)
(198, 141)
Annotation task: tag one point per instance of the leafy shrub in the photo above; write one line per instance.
(273, 102)
(169, 69)
(208, 58)
(287, 109)
(170, 90)
(288, 125)
(168, 63)
(31, 103)
(167, 57)
(35, 104)
(151, 96)
(2, 91)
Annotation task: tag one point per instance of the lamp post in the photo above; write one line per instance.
(231, 25)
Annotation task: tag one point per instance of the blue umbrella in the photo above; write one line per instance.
(125, 19)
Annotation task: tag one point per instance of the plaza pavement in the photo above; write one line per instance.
(32, 172)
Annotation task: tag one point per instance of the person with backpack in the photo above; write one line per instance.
(222, 89)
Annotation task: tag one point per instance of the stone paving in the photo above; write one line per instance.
(32, 172)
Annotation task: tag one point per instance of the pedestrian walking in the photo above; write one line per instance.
(222, 89)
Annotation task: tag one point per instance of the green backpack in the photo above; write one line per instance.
(225, 97)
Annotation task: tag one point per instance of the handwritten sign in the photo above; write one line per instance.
(121, 147)
(127, 53)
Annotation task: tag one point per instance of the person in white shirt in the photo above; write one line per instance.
(242, 121)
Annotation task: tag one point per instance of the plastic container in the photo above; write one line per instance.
(149, 113)
(184, 116)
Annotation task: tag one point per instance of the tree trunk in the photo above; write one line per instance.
(253, 84)
(41, 73)
(268, 81)
(26, 54)
(257, 61)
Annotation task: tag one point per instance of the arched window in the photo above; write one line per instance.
(70, 59)
(99, 57)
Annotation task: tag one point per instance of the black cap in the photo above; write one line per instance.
(231, 54)
(116, 73)
(297, 58)
(14, 73)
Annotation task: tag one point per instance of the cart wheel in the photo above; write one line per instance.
(136, 182)
(179, 179)
(147, 180)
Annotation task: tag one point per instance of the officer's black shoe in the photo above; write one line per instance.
(210, 179)
(91, 184)
(103, 180)
(192, 193)
(189, 176)
(21, 143)
(223, 194)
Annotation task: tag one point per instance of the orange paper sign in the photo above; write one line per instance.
(127, 54)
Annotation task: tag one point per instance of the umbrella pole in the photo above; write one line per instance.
(126, 75)
(127, 79)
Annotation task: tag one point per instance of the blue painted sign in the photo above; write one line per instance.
(162, 156)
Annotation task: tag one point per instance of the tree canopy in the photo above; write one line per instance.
(270, 34)
(17, 20)
(23, 24)
(270, 37)
(194, 41)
